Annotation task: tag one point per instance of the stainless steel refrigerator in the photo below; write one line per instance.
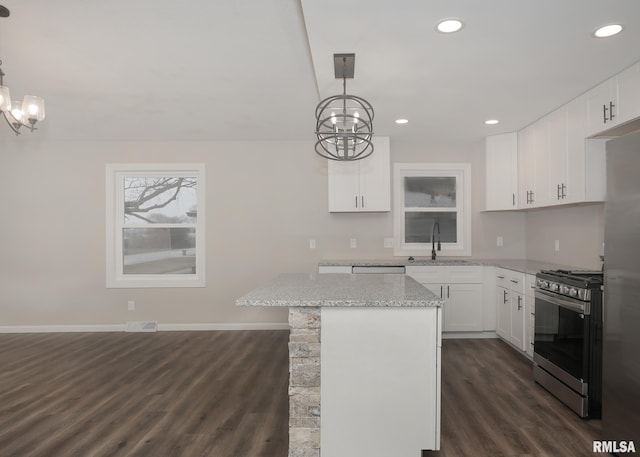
(621, 346)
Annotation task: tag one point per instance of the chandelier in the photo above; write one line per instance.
(344, 123)
(19, 114)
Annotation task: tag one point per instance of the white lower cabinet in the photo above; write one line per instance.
(512, 318)
(462, 289)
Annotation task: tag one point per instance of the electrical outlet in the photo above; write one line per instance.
(312, 244)
(500, 241)
(557, 245)
(353, 243)
(388, 242)
(132, 305)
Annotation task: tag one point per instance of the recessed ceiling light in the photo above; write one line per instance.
(491, 121)
(608, 30)
(449, 25)
(402, 121)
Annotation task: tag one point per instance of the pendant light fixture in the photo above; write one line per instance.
(19, 114)
(344, 123)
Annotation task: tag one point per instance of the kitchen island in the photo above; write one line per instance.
(364, 363)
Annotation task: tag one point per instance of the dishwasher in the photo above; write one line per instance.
(378, 269)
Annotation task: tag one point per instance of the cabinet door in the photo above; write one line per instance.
(540, 194)
(602, 106)
(576, 166)
(344, 185)
(375, 178)
(628, 85)
(557, 155)
(501, 170)
(517, 320)
(463, 308)
(503, 313)
(526, 166)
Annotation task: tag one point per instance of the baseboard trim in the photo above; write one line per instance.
(123, 327)
(469, 335)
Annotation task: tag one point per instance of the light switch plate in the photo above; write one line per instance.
(557, 245)
(353, 243)
(500, 241)
(388, 242)
(312, 244)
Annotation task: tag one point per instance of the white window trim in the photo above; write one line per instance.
(114, 201)
(463, 171)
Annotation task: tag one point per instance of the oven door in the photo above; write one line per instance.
(561, 340)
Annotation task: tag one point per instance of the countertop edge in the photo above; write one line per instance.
(519, 265)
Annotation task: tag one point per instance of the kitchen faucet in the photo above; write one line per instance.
(433, 240)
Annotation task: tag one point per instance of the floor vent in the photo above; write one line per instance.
(148, 326)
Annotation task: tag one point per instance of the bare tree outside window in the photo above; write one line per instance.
(159, 236)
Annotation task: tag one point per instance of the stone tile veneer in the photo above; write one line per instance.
(304, 382)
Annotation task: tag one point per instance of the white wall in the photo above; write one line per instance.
(579, 230)
(265, 200)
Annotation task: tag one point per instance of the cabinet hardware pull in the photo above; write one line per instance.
(356, 201)
(515, 281)
(604, 113)
(519, 302)
(611, 115)
(500, 277)
(531, 196)
(564, 191)
(514, 199)
(441, 295)
(504, 299)
(362, 201)
(558, 194)
(448, 292)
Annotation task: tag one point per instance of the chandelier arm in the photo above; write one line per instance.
(15, 130)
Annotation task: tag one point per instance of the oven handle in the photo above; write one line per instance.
(573, 305)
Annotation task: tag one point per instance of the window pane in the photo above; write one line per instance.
(159, 250)
(430, 192)
(418, 226)
(149, 200)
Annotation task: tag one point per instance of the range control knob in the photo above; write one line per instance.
(543, 284)
(565, 290)
(554, 287)
(573, 292)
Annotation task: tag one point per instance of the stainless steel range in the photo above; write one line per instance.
(568, 338)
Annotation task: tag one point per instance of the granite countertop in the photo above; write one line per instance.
(520, 265)
(341, 290)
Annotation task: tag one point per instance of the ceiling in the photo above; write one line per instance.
(204, 70)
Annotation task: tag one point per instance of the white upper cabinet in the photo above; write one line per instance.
(628, 84)
(557, 155)
(615, 101)
(533, 142)
(501, 172)
(526, 166)
(362, 185)
(602, 105)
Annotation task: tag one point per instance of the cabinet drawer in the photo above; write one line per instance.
(502, 277)
(426, 275)
(530, 284)
(516, 281)
(463, 275)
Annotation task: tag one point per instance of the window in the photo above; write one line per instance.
(155, 225)
(429, 197)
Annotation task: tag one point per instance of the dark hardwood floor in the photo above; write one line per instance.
(492, 407)
(224, 394)
(149, 395)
